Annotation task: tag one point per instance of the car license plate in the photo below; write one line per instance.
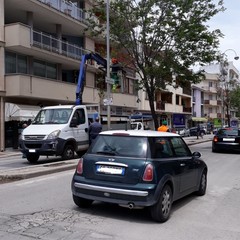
(32, 150)
(228, 139)
(110, 169)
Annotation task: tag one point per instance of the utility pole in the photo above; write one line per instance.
(108, 71)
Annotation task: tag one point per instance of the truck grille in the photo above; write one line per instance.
(34, 137)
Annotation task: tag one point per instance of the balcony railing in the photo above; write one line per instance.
(69, 8)
(52, 44)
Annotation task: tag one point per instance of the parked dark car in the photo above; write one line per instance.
(193, 131)
(226, 139)
(137, 169)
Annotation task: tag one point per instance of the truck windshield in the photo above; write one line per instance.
(53, 116)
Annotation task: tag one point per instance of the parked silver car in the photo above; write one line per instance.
(184, 132)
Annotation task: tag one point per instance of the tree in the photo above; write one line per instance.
(235, 99)
(162, 38)
(227, 90)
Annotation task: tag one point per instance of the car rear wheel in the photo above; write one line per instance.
(203, 184)
(160, 212)
(68, 152)
(82, 202)
(32, 157)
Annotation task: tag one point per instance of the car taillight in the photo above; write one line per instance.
(148, 173)
(80, 166)
(215, 139)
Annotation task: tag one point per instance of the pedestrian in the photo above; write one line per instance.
(24, 126)
(94, 129)
(164, 127)
(199, 132)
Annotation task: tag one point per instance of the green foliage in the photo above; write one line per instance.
(235, 99)
(163, 37)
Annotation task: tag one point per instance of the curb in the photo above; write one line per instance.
(36, 171)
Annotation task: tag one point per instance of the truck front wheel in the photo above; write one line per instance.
(32, 157)
(68, 152)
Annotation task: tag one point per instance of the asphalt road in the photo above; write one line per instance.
(42, 208)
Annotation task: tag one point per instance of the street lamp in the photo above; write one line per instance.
(223, 73)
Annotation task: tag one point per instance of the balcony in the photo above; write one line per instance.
(187, 109)
(22, 39)
(49, 43)
(37, 89)
(160, 106)
(210, 102)
(68, 8)
(213, 115)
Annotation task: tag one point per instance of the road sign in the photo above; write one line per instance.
(107, 102)
(109, 80)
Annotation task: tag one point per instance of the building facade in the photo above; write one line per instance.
(208, 96)
(41, 44)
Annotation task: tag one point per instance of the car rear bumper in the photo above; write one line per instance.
(223, 146)
(138, 196)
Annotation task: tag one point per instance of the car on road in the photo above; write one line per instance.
(185, 132)
(226, 139)
(138, 169)
(193, 131)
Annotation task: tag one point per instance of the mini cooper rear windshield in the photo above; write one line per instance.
(120, 146)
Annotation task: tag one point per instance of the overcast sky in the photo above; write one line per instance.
(229, 24)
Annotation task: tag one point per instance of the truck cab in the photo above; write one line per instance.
(56, 131)
(137, 126)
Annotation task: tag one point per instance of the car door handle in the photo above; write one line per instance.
(182, 164)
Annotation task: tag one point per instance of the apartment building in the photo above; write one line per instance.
(41, 44)
(207, 96)
(173, 105)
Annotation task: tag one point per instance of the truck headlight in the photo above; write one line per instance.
(54, 134)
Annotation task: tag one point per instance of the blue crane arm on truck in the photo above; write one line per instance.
(82, 72)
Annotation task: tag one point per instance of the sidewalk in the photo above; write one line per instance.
(48, 168)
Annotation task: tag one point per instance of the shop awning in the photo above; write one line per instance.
(141, 117)
(199, 119)
(20, 112)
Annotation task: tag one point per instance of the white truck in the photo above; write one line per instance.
(137, 126)
(56, 131)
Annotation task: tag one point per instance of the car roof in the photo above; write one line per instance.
(143, 133)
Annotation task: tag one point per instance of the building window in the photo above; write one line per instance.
(51, 71)
(39, 68)
(131, 86)
(43, 69)
(10, 63)
(15, 63)
(22, 64)
(177, 99)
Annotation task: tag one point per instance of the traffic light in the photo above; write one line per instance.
(116, 73)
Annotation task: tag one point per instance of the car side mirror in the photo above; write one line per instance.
(196, 154)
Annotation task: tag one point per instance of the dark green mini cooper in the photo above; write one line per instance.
(139, 169)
